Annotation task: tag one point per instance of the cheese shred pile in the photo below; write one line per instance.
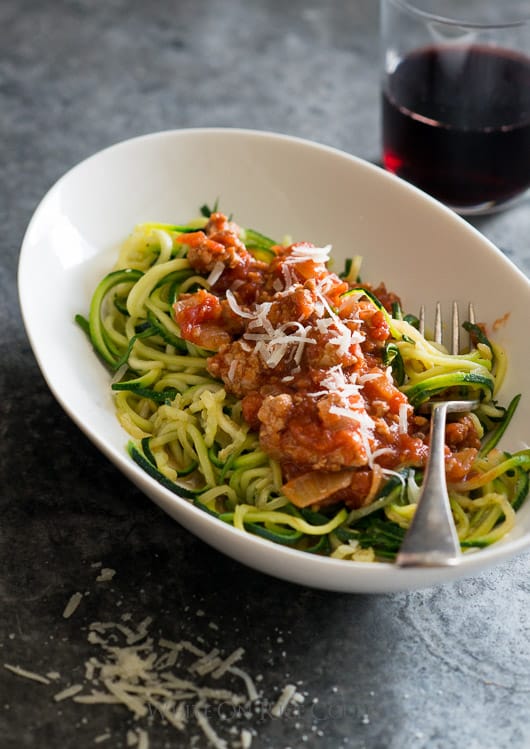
(184, 685)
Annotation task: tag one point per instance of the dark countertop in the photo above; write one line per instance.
(443, 668)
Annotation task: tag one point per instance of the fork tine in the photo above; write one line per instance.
(438, 323)
(455, 332)
(456, 336)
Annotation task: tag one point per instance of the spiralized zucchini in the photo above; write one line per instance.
(190, 435)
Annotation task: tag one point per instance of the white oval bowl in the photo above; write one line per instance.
(278, 185)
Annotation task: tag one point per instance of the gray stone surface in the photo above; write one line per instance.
(438, 669)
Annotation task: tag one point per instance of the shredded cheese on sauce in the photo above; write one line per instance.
(303, 252)
(216, 273)
(404, 410)
(273, 346)
(234, 306)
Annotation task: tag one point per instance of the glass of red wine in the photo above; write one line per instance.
(456, 99)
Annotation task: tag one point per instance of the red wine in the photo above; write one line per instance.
(456, 123)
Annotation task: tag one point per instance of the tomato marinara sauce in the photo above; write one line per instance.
(305, 352)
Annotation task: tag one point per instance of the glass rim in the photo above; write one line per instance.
(484, 25)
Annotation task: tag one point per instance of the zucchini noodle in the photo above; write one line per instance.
(188, 431)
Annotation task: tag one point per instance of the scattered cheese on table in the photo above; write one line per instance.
(284, 699)
(68, 692)
(72, 605)
(26, 674)
(105, 575)
(186, 684)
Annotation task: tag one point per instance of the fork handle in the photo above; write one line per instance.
(431, 540)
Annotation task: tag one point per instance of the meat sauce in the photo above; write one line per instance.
(304, 353)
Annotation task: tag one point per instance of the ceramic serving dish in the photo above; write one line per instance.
(280, 186)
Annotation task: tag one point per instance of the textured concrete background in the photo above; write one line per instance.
(438, 669)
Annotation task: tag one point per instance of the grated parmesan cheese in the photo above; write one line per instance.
(162, 677)
(303, 252)
(403, 418)
(214, 739)
(26, 674)
(68, 692)
(288, 277)
(283, 701)
(234, 306)
(227, 663)
(206, 663)
(367, 376)
(378, 453)
(105, 575)
(216, 273)
(179, 681)
(72, 605)
(101, 738)
(246, 739)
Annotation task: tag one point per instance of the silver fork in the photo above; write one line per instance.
(432, 540)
